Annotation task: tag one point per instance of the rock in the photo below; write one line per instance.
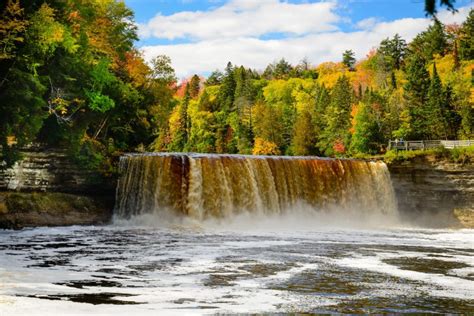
(50, 170)
(428, 190)
(465, 217)
(18, 210)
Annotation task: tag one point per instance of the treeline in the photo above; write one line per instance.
(70, 76)
(418, 90)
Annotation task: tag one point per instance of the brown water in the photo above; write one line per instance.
(203, 186)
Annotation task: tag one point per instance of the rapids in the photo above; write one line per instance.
(132, 270)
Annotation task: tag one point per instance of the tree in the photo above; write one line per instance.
(227, 89)
(303, 142)
(265, 147)
(282, 69)
(12, 28)
(430, 42)
(451, 118)
(215, 78)
(430, 6)
(194, 86)
(162, 70)
(393, 52)
(366, 136)
(433, 120)
(416, 92)
(348, 59)
(466, 45)
(337, 116)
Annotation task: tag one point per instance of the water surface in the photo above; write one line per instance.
(120, 270)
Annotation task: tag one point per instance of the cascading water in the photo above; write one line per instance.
(217, 186)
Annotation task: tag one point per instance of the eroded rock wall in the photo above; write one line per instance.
(46, 188)
(49, 170)
(432, 192)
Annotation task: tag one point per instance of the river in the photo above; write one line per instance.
(198, 269)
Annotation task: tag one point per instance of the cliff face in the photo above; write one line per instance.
(49, 170)
(433, 192)
(46, 189)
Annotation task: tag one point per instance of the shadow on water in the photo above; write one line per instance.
(428, 265)
(89, 298)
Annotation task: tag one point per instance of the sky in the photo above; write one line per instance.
(201, 36)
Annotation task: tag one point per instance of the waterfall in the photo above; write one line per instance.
(217, 186)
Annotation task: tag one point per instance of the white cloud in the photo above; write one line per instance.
(367, 23)
(214, 52)
(244, 18)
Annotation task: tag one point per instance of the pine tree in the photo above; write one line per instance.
(348, 59)
(227, 90)
(430, 42)
(452, 119)
(282, 69)
(194, 86)
(393, 52)
(434, 123)
(416, 91)
(466, 45)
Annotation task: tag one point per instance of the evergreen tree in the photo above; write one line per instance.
(227, 90)
(434, 122)
(393, 52)
(430, 6)
(348, 59)
(215, 78)
(194, 86)
(430, 42)
(282, 69)
(466, 45)
(416, 91)
(452, 119)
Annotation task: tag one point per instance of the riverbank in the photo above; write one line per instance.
(19, 210)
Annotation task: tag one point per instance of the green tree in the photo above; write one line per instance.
(466, 45)
(337, 118)
(433, 120)
(227, 90)
(393, 52)
(416, 93)
(348, 59)
(366, 136)
(430, 6)
(430, 42)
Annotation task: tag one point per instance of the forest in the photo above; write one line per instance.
(71, 76)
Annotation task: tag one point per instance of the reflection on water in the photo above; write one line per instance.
(115, 270)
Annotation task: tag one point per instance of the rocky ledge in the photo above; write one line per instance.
(434, 192)
(18, 210)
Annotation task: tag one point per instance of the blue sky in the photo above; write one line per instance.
(202, 35)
